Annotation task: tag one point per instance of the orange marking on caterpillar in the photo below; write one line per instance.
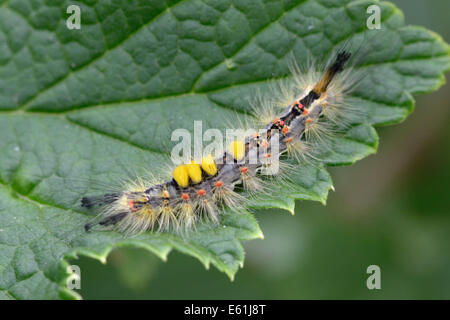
(218, 184)
(243, 169)
(201, 192)
(298, 106)
(166, 194)
(287, 140)
(184, 196)
(285, 130)
(131, 205)
(305, 112)
(308, 120)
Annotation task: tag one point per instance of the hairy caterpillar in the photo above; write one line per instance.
(198, 191)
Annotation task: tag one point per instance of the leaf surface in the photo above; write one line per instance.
(86, 105)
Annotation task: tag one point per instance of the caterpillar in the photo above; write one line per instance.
(309, 109)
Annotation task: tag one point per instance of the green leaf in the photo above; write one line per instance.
(89, 105)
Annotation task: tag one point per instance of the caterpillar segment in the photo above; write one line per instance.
(199, 191)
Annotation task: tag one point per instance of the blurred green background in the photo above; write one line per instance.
(391, 209)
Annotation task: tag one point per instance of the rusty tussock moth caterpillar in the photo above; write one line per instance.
(308, 111)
